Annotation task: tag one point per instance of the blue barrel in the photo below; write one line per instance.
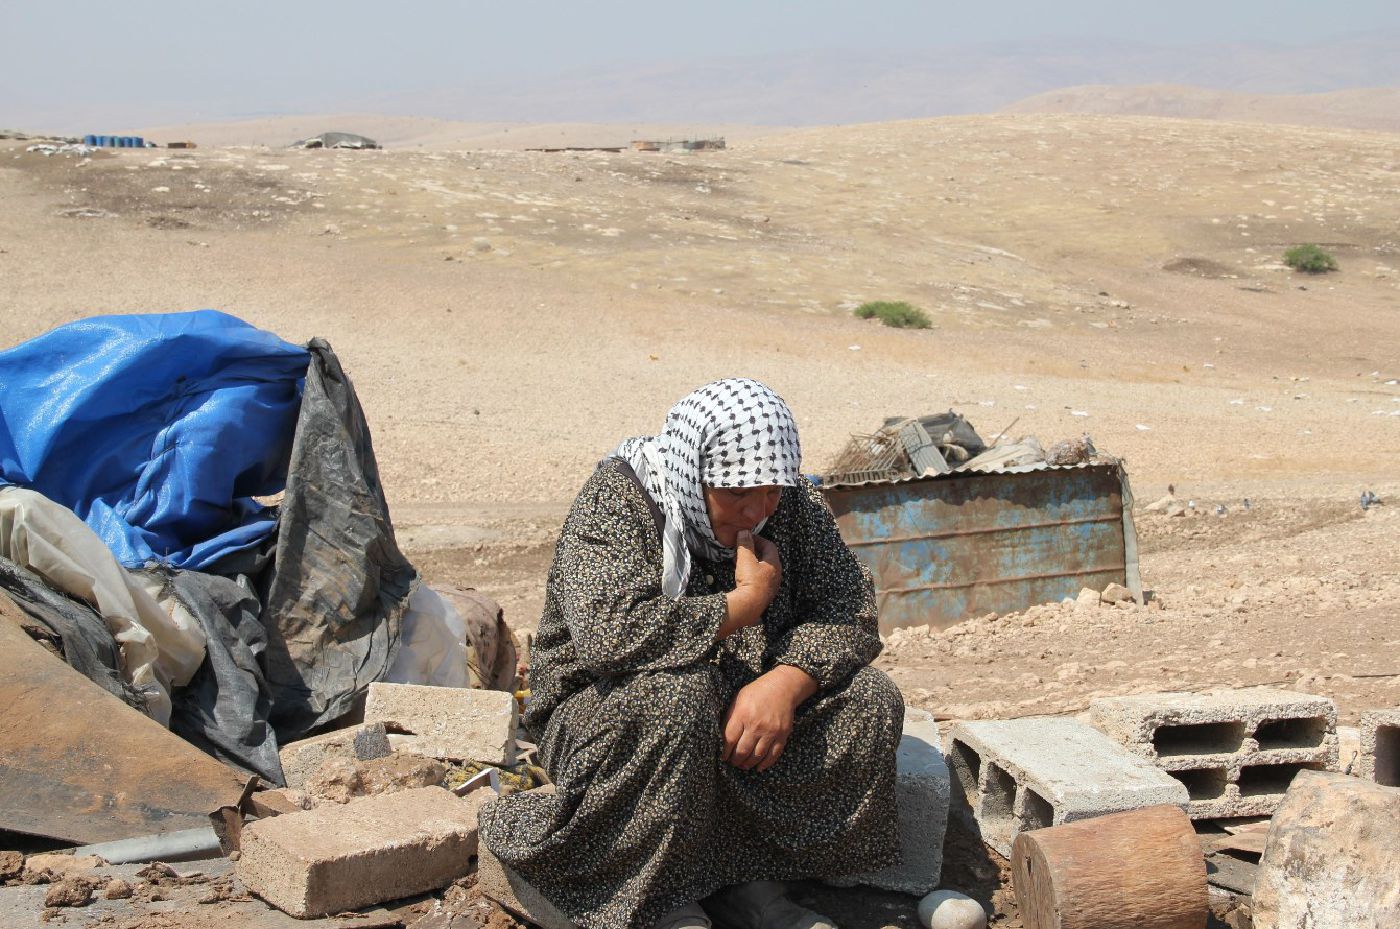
(89, 140)
(138, 142)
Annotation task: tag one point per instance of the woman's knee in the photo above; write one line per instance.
(872, 697)
(685, 698)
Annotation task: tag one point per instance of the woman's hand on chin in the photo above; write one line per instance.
(759, 721)
(758, 572)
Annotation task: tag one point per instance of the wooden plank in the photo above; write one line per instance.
(1231, 873)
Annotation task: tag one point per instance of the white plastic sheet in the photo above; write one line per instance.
(160, 649)
(433, 644)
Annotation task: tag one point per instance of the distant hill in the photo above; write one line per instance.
(831, 87)
(822, 87)
(1374, 108)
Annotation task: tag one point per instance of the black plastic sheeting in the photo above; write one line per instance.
(224, 709)
(339, 585)
(75, 627)
(297, 630)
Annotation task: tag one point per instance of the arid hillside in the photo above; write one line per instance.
(1374, 109)
(507, 316)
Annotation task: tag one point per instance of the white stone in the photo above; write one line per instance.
(948, 909)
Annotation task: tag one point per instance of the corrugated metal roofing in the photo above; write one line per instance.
(981, 469)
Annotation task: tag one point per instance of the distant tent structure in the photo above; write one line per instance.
(337, 140)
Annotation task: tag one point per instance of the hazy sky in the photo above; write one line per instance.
(203, 59)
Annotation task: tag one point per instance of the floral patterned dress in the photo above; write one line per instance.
(629, 690)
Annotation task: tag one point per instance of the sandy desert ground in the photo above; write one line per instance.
(507, 316)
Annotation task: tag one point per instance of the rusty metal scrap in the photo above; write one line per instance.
(78, 764)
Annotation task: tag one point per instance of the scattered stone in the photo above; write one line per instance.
(117, 889)
(1088, 599)
(948, 909)
(157, 871)
(1160, 505)
(60, 864)
(336, 858)
(70, 891)
(1175, 509)
(450, 723)
(1329, 863)
(11, 865)
(1116, 593)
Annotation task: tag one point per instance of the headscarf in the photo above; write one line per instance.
(731, 433)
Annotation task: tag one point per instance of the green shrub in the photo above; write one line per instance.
(1309, 258)
(898, 314)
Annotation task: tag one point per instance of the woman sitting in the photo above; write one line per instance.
(701, 691)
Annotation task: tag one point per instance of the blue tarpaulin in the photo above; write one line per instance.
(156, 429)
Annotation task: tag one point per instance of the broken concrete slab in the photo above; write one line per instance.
(500, 883)
(922, 790)
(340, 780)
(1022, 774)
(1332, 857)
(78, 764)
(450, 723)
(1380, 747)
(336, 858)
(303, 758)
(1235, 750)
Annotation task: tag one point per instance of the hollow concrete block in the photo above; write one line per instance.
(1235, 750)
(1022, 774)
(1380, 747)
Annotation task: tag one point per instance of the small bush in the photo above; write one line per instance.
(898, 314)
(1309, 258)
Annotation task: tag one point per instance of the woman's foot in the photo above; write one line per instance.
(761, 905)
(690, 916)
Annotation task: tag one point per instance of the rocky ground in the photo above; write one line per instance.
(507, 316)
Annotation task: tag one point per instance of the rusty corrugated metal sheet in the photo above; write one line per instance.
(76, 763)
(947, 548)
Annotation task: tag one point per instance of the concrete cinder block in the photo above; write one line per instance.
(335, 858)
(1380, 747)
(1235, 750)
(1022, 774)
(450, 723)
(303, 758)
(922, 789)
(516, 895)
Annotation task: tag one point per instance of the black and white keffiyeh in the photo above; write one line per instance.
(731, 433)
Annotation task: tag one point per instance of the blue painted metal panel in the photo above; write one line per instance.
(947, 548)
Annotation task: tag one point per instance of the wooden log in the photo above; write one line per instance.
(1142, 868)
